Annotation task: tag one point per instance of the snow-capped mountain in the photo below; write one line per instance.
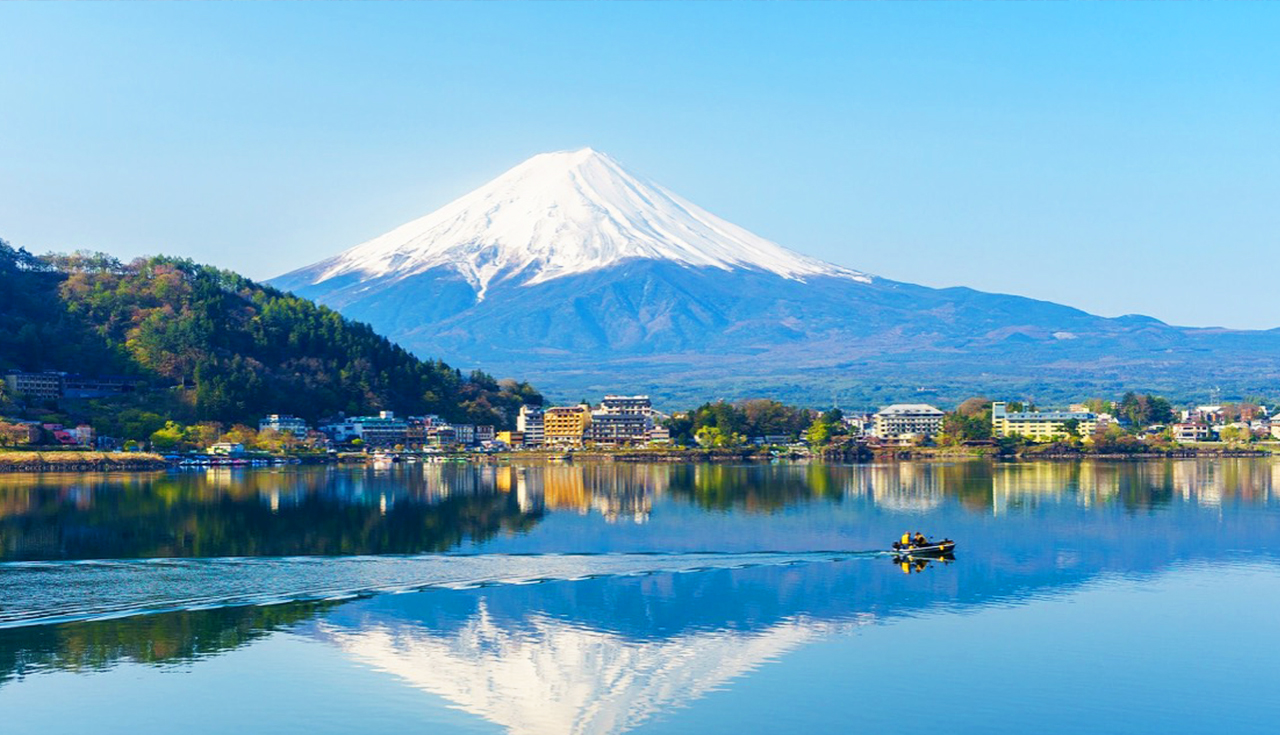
(573, 272)
(562, 214)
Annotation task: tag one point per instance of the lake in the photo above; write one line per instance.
(1102, 597)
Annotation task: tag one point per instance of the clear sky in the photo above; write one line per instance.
(1118, 157)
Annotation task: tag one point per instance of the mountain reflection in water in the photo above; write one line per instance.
(615, 653)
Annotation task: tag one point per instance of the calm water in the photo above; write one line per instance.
(1085, 597)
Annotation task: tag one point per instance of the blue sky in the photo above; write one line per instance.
(1120, 157)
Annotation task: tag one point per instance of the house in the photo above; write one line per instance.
(229, 449)
(1189, 432)
(915, 419)
(511, 438)
(1040, 425)
(19, 432)
(659, 435)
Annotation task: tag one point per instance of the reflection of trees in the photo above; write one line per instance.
(259, 514)
(434, 508)
(169, 638)
(756, 489)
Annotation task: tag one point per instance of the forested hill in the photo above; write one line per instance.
(212, 345)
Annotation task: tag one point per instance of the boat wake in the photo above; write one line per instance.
(48, 592)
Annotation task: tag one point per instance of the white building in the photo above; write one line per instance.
(284, 424)
(383, 430)
(907, 419)
(530, 423)
(627, 405)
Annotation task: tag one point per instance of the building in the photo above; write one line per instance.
(530, 423)
(80, 386)
(511, 438)
(1040, 425)
(659, 435)
(617, 429)
(860, 424)
(441, 435)
(1188, 432)
(229, 449)
(907, 420)
(383, 430)
(81, 436)
(19, 432)
(50, 385)
(464, 434)
(44, 386)
(284, 424)
(484, 433)
(565, 425)
(626, 406)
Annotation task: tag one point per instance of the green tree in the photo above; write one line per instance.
(1236, 435)
(169, 438)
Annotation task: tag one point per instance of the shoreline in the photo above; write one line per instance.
(96, 462)
(88, 462)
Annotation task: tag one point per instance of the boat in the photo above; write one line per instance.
(929, 548)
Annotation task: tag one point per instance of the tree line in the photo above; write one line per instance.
(212, 345)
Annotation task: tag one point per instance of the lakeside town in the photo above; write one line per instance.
(630, 423)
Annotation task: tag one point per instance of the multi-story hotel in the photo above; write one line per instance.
(615, 429)
(530, 424)
(627, 405)
(46, 386)
(1039, 425)
(907, 419)
(565, 425)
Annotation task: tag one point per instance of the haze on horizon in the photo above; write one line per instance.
(1116, 158)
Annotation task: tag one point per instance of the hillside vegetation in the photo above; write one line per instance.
(211, 345)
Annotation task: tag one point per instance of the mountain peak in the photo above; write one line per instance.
(559, 214)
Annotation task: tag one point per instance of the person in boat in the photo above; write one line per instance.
(920, 540)
(906, 539)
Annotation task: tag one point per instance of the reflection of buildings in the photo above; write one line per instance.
(546, 676)
(615, 491)
(1028, 484)
(900, 486)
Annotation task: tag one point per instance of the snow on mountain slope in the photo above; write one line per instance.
(560, 214)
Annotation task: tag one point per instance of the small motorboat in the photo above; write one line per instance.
(929, 548)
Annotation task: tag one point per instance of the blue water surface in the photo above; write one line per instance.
(1084, 597)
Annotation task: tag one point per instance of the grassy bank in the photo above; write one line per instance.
(79, 461)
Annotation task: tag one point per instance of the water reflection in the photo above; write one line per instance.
(609, 653)
(427, 508)
(162, 640)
